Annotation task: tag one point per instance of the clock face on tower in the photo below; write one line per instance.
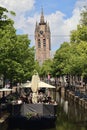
(41, 32)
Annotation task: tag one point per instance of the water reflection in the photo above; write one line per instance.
(61, 101)
(66, 107)
(71, 116)
(77, 113)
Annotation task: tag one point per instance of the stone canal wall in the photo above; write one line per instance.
(76, 98)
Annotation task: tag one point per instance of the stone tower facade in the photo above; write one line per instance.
(42, 40)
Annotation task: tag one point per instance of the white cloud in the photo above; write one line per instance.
(59, 25)
(81, 3)
(19, 6)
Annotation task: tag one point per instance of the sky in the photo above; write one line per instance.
(63, 16)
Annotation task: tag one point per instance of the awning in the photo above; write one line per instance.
(40, 85)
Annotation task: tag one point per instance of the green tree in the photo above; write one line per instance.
(17, 58)
(46, 68)
(82, 55)
(7, 40)
(78, 46)
(71, 57)
(3, 17)
(37, 67)
(79, 35)
(83, 19)
(61, 59)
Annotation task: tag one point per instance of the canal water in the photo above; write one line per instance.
(70, 116)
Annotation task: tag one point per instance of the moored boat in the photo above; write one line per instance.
(33, 116)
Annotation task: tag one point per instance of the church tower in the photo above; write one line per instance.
(42, 40)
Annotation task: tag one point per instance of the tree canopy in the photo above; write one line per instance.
(71, 57)
(16, 56)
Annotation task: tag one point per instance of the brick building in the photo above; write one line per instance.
(42, 40)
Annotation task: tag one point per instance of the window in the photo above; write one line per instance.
(39, 44)
(44, 42)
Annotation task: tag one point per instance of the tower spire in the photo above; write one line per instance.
(42, 16)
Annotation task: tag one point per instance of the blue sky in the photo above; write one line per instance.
(63, 17)
(50, 6)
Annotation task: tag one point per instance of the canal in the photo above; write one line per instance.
(70, 116)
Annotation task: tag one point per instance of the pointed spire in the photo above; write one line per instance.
(42, 17)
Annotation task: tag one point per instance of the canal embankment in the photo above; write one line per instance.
(78, 97)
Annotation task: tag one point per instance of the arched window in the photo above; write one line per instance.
(39, 44)
(44, 42)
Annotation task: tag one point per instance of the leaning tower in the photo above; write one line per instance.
(42, 40)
